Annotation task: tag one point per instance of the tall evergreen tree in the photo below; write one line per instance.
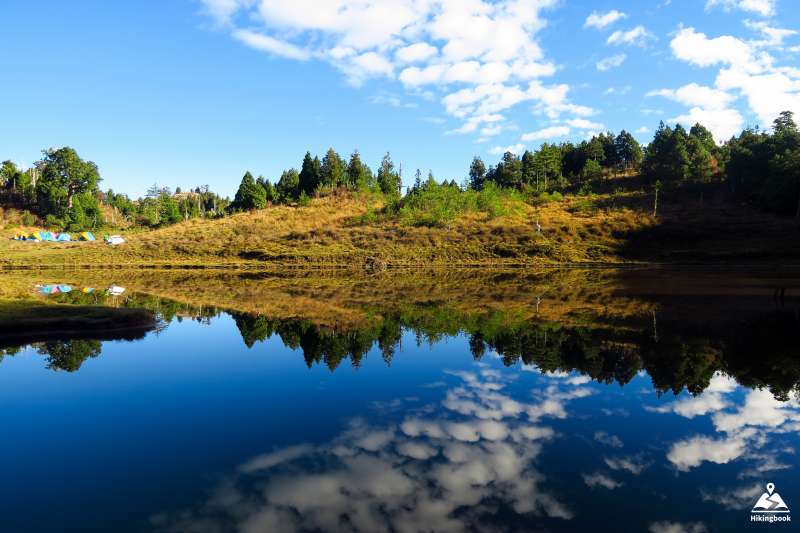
(288, 186)
(333, 171)
(359, 175)
(250, 195)
(389, 179)
(310, 174)
(628, 149)
(477, 173)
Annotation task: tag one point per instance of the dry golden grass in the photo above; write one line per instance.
(332, 231)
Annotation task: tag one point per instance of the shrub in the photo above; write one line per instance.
(28, 219)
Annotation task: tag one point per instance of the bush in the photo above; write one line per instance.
(439, 205)
(28, 219)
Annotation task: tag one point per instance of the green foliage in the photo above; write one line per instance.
(250, 195)
(310, 174)
(288, 187)
(591, 170)
(438, 205)
(63, 175)
(359, 175)
(765, 168)
(388, 178)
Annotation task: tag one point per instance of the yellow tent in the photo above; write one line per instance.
(35, 236)
(87, 236)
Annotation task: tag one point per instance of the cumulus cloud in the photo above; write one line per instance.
(546, 133)
(765, 8)
(428, 45)
(743, 69)
(607, 63)
(638, 36)
(603, 20)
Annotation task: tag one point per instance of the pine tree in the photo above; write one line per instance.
(477, 173)
(288, 186)
(359, 175)
(388, 179)
(310, 174)
(250, 195)
(333, 171)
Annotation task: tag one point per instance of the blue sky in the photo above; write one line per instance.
(185, 92)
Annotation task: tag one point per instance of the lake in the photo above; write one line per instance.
(559, 400)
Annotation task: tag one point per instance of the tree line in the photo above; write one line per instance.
(761, 167)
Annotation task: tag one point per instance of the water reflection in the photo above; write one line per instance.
(510, 402)
(681, 343)
(448, 467)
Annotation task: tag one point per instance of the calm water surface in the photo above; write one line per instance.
(422, 418)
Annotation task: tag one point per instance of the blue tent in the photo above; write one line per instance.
(87, 236)
(64, 237)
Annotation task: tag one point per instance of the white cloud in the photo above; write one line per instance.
(709, 106)
(765, 8)
(697, 49)
(480, 56)
(600, 480)
(416, 52)
(689, 453)
(603, 20)
(607, 63)
(265, 43)
(609, 440)
(697, 95)
(634, 465)
(769, 89)
(514, 149)
(772, 37)
(583, 124)
(417, 479)
(546, 133)
(638, 36)
(643, 129)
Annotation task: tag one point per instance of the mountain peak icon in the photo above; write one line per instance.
(770, 502)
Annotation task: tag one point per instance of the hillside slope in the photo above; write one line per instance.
(615, 227)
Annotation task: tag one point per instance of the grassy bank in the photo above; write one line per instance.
(615, 226)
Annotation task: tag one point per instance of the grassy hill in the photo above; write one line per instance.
(346, 230)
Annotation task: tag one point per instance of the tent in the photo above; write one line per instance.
(64, 237)
(47, 236)
(87, 236)
(35, 236)
(115, 240)
(115, 290)
(20, 236)
(64, 288)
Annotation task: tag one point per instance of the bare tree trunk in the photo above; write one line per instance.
(655, 204)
